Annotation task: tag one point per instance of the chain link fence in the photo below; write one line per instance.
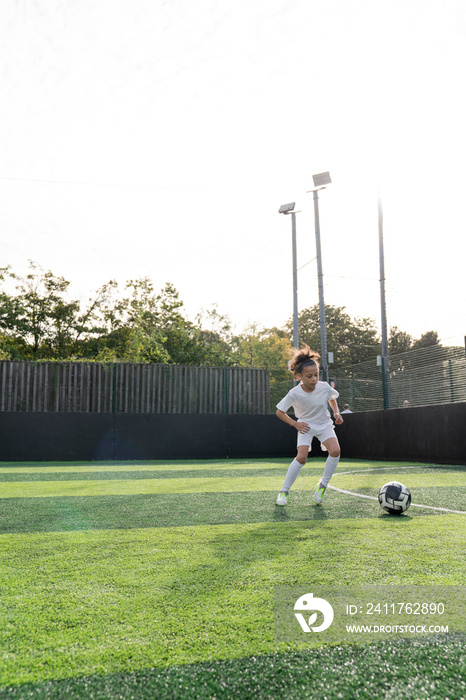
(424, 377)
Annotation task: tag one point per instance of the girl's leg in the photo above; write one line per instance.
(333, 458)
(295, 467)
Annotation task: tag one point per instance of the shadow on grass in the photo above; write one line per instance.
(403, 518)
(405, 667)
(64, 514)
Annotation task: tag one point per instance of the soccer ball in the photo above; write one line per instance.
(395, 498)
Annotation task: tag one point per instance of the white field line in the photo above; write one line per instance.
(374, 498)
(386, 469)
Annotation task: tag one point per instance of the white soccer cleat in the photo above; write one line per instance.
(318, 496)
(281, 500)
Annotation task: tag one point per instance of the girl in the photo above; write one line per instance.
(309, 400)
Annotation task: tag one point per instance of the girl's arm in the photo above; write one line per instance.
(336, 412)
(300, 427)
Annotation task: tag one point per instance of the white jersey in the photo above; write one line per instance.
(310, 407)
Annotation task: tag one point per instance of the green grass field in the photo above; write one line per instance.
(157, 579)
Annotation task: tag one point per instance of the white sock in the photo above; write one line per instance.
(293, 471)
(330, 466)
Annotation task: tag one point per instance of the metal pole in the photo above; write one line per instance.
(385, 369)
(295, 283)
(320, 279)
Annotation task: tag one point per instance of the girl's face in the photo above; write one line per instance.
(309, 377)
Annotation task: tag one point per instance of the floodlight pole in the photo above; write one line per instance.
(320, 279)
(385, 371)
(289, 209)
(295, 282)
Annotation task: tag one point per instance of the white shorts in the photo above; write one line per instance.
(322, 434)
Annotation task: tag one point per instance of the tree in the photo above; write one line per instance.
(212, 338)
(426, 340)
(263, 348)
(132, 328)
(145, 326)
(38, 320)
(268, 349)
(351, 340)
(399, 341)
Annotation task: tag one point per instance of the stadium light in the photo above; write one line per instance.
(321, 180)
(288, 209)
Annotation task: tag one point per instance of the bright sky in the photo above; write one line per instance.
(159, 138)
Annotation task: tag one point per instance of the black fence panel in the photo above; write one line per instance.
(431, 434)
(56, 436)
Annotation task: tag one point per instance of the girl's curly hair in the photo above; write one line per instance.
(302, 357)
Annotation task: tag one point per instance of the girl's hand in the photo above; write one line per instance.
(302, 427)
(338, 419)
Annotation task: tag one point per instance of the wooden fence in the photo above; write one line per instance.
(131, 388)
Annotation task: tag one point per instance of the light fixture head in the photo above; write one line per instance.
(321, 179)
(286, 208)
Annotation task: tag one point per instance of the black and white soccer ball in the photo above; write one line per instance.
(395, 498)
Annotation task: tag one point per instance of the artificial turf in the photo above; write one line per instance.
(170, 594)
(367, 672)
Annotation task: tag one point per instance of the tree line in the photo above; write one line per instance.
(137, 323)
